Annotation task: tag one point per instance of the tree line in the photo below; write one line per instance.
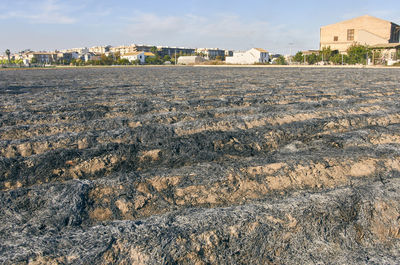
(356, 54)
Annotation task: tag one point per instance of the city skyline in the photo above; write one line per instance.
(280, 27)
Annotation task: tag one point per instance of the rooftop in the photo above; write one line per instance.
(260, 50)
(386, 45)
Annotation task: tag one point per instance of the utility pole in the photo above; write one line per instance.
(290, 53)
(175, 56)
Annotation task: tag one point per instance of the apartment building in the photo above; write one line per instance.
(124, 49)
(210, 54)
(97, 49)
(170, 51)
(42, 57)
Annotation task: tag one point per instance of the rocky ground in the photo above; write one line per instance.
(200, 166)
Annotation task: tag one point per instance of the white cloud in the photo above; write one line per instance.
(45, 12)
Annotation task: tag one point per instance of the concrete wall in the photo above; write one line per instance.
(367, 38)
(249, 57)
(190, 59)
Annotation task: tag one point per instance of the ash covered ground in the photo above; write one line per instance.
(200, 166)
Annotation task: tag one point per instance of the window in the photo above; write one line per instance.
(336, 38)
(350, 34)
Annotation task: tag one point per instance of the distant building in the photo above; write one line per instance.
(255, 55)
(97, 49)
(135, 56)
(365, 30)
(78, 50)
(142, 48)
(171, 51)
(65, 57)
(41, 57)
(140, 56)
(90, 56)
(75, 55)
(124, 49)
(228, 53)
(210, 54)
(186, 60)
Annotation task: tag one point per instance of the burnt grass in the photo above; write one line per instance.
(200, 166)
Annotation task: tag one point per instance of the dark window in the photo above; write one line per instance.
(350, 34)
(336, 38)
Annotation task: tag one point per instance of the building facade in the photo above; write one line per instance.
(124, 49)
(133, 56)
(210, 54)
(255, 55)
(137, 56)
(42, 57)
(386, 53)
(65, 57)
(364, 30)
(171, 51)
(97, 49)
(90, 56)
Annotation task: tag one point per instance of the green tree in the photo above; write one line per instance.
(19, 62)
(358, 54)
(117, 56)
(154, 50)
(337, 58)
(123, 61)
(312, 58)
(298, 57)
(106, 60)
(326, 53)
(154, 60)
(281, 60)
(8, 55)
(34, 60)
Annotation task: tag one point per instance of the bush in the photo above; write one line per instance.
(281, 60)
(357, 54)
(312, 58)
(298, 57)
(337, 58)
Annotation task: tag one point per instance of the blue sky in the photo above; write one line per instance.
(278, 26)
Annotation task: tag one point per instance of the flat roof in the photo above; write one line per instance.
(386, 45)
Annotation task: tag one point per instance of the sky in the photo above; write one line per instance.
(278, 26)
